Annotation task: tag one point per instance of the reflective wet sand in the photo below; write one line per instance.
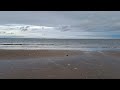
(59, 64)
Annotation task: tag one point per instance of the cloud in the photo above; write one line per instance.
(63, 24)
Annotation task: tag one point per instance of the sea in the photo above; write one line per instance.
(64, 24)
(59, 44)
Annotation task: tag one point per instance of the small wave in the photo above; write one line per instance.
(26, 44)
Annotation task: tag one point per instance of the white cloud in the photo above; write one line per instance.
(64, 24)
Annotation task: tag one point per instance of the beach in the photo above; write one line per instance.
(59, 45)
(59, 64)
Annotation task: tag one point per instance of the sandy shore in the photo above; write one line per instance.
(21, 54)
(59, 64)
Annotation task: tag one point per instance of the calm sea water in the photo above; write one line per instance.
(75, 44)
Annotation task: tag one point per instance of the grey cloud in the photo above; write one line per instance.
(103, 22)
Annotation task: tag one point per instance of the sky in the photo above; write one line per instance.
(60, 24)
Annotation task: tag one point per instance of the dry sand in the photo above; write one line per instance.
(59, 64)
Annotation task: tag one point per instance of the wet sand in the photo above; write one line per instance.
(22, 54)
(59, 64)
